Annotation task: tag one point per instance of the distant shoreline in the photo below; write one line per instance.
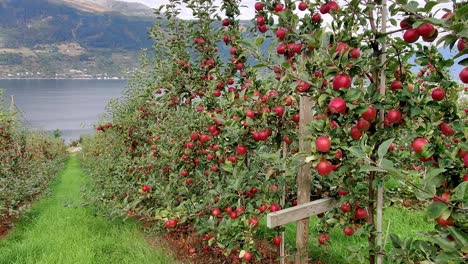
(99, 79)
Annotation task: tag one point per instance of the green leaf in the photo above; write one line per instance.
(412, 6)
(358, 152)
(396, 242)
(387, 165)
(447, 257)
(459, 193)
(460, 236)
(259, 41)
(429, 5)
(431, 174)
(383, 148)
(436, 209)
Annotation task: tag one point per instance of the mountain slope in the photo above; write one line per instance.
(56, 39)
(125, 8)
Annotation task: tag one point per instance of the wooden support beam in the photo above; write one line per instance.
(303, 178)
(299, 212)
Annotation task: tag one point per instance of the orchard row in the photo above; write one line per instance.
(210, 144)
(28, 161)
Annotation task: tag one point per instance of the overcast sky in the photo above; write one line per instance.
(246, 13)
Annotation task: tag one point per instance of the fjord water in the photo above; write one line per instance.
(72, 106)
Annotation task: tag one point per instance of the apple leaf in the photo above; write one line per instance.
(396, 241)
(459, 193)
(358, 152)
(383, 148)
(448, 257)
(459, 236)
(436, 209)
(259, 41)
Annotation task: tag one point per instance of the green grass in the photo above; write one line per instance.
(60, 229)
(403, 222)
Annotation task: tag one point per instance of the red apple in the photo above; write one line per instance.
(370, 114)
(296, 118)
(345, 207)
(274, 208)
(394, 116)
(250, 114)
(170, 223)
(323, 144)
(324, 167)
(316, 18)
(279, 110)
(302, 86)
(276, 240)
(348, 231)
(355, 53)
(279, 7)
(404, 24)
(260, 20)
(355, 133)
(241, 150)
(302, 6)
(341, 80)
(216, 212)
(363, 124)
(259, 6)
(360, 213)
(418, 144)
(464, 75)
(145, 188)
(461, 44)
(438, 94)
(225, 22)
(233, 215)
(253, 222)
(323, 238)
(411, 35)
(445, 222)
(281, 33)
(337, 105)
(426, 30)
(262, 208)
(281, 49)
(447, 129)
(247, 256)
(396, 85)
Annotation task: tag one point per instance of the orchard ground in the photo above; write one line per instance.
(61, 228)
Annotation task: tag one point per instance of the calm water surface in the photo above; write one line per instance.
(72, 106)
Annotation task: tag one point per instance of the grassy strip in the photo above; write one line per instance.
(403, 222)
(60, 229)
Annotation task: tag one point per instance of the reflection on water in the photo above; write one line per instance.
(72, 106)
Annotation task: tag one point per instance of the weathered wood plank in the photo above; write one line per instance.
(299, 212)
(303, 178)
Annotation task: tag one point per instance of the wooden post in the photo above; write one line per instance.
(383, 80)
(283, 202)
(303, 179)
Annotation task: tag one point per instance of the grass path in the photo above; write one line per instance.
(61, 230)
